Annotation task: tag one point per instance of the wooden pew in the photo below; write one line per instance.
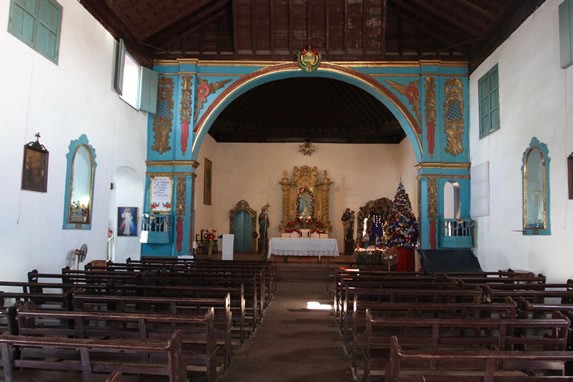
(254, 301)
(458, 334)
(115, 287)
(429, 293)
(143, 357)
(198, 333)
(537, 293)
(169, 305)
(116, 376)
(353, 334)
(268, 267)
(407, 365)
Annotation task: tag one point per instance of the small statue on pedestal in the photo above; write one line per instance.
(264, 230)
(348, 218)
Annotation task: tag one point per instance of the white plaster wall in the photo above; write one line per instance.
(61, 102)
(252, 172)
(535, 100)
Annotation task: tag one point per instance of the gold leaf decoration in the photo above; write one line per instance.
(454, 116)
(411, 92)
(181, 188)
(432, 199)
(163, 118)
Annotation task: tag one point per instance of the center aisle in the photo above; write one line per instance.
(293, 343)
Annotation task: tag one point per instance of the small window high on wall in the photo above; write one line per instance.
(135, 84)
(37, 23)
(488, 90)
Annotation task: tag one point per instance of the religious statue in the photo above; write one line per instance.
(348, 218)
(264, 229)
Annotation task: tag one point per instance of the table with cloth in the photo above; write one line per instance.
(303, 247)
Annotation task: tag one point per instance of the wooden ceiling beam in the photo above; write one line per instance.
(409, 13)
(115, 25)
(192, 22)
(422, 27)
(423, 6)
(506, 24)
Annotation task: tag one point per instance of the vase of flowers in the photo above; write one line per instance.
(210, 238)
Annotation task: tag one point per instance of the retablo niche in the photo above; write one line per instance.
(305, 201)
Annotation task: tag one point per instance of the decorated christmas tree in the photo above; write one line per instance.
(401, 228)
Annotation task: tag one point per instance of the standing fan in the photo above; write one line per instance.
(81, 255)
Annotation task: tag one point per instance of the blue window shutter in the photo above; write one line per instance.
(148, 98)
(118, 67)
(22, 20)
(48, 32)
(488, 95)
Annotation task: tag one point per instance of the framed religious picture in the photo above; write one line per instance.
(35, 167)
(208, 178)
(127, 221)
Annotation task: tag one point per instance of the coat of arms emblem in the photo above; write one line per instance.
(308, 59)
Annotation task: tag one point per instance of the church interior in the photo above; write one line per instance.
(288, 138)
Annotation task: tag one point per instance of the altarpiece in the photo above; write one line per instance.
(305, 200)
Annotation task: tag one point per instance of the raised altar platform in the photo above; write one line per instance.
(303, 247)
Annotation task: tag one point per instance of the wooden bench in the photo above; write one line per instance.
(535, 293)
(116, 376)
(406, 365)
(458, 334)
(169, 305)
(198, 335)
(141, 357)
(353, 332)
(429, 294)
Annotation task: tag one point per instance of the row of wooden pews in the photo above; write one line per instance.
(506, 325)
(149, 318)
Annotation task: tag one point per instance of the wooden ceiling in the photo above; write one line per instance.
(341, 30)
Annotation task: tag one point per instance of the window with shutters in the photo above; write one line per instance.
(38, 24)
(488, 102)
(135, 84)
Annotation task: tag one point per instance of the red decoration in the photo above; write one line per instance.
(179, 230)
(430, 138)
(184, 136)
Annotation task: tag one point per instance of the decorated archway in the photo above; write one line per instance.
(426, 98)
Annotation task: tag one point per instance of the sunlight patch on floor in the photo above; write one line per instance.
(315, 305)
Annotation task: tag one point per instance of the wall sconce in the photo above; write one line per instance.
(570, 174)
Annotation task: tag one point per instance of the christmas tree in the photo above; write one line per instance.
(401, 228)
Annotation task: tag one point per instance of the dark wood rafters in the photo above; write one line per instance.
(341, 30)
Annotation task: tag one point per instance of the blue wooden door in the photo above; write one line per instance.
(243, 225)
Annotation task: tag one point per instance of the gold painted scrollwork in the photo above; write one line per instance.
(180, 195)
(163, 118)
(454, 115)
(432, 199)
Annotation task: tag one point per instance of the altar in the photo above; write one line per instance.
(303, 247)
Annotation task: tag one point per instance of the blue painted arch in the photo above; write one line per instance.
(291, 70)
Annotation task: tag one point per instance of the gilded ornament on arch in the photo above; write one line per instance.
(412, 92)
(181, 188)
(454, 116)
(204, 90)
(308, 59)
(163, 118)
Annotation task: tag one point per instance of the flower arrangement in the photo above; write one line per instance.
(209, 240)
(210, 235)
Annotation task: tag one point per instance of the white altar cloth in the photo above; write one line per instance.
(303, 247)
